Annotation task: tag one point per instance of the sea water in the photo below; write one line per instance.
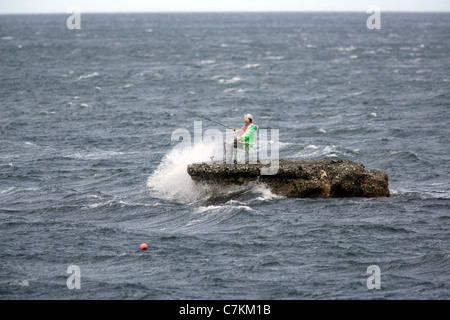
(88, 169)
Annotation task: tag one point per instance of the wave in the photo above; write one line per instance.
(20, 283)
(401, 193)
(204, 62)
(249, 66)
(315, 151)
(171, 181)
(95, 155)
(88, 76)
(235, 90)
(229, 81)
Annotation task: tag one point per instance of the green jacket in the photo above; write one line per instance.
(248, 136)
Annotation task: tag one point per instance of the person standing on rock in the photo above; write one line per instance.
(243, 140)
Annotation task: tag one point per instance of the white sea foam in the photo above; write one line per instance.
(171, 180)
(20, 283)
(108, 203)
(229, 81)
(96, 155)
(248, 66)
(351, 48)
(315, 151)
(283, 144)
(275, 57)
(235, 90)
(88, 76)
(265, 193)
(7, 190)
(203, 62)
(329, 149)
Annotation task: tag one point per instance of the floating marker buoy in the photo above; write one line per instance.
(143, 246)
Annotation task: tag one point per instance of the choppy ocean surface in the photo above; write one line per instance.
(88, 169)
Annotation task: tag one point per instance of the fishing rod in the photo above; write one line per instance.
(207, 119)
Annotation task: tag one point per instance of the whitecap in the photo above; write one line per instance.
(312, 150)
(107, 203)
(249, 66)
(235, 90)
(88, 76)
(351, 48)
(20, 283)
(7, 190)
(266, 193)
(274, 57)
(283, 144)
(122, 254)
(96, 155)
(230, 81)
(203, 62)
(329, 149)
(7, 38)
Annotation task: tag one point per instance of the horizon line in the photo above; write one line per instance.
(226, 11)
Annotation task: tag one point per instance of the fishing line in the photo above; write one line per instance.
(207, 118)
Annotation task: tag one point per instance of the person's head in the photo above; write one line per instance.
(248, 118)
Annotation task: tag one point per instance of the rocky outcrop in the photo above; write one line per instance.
(301, 178)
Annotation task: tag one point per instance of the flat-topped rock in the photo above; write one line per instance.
(300, 178)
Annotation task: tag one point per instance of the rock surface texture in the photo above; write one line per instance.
(300, 178)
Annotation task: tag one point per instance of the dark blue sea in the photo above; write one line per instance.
(89, 169)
